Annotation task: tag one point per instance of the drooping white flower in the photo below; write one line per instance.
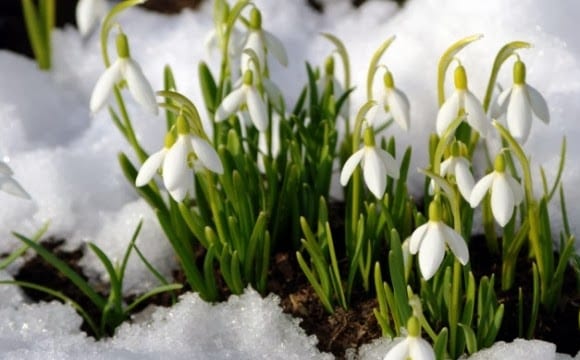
(178, 159)
(89, 13)
(8, 184)
(392, 101)
(327, 79)
(458, 166)
(462, 100)
(519, 103)
(261, 42)
(429, 241)
(248, 95)
(376, 163)
(274, 149)
(413, 346)
(124, 68)
(506, 192)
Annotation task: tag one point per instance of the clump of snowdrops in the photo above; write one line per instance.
(244, 175)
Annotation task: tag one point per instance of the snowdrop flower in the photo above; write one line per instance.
(124, 68)
(248, 95)
(177, 158)
(413, 346)
(429, 241)
(377, 164)
(519, 103)
(458, 166)
(462, 100)
(89, 13)
(506, 192)
(8, 184)
(260, 41)
(328, 79)
(394, 101)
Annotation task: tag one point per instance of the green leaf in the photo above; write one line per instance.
(153, 292)
(440, 344)
(315, 284)
(208, 87)
(470, 339)
(20, 251)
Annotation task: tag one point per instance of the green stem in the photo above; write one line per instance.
(128, 127)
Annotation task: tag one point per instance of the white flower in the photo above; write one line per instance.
(376, 163)
(462, 99)
(413, 346)
(260, 41)
(8, 184)
(328, 79)
(506, 192)
(175, 161)
(394, 102)
(89, 13)
(124, 68)
(263, 143)
(519, 103)
(458, 166)
(429, 241)
(248, 95)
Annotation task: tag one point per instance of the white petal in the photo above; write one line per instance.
(211, 41)
(448, 112)
(475, 115)
(447, 166)
(417, 237)
(539, 105)
(12, 187)
(275, 135)
(178, 194)
(276, 47)
(432, 250)
(463, 177)
(5, 169)
(139, 86)
(175, 166)
(399, 351)
(257, 109)
(274, 94)
(390, 163)
(88, 14)
(500, 104)
(255, 43)
(456, 244)
(519, 114)
(374, 172)
(399, 107)
(230, 104)
(149, 167)
(502, 200)
(516, 189)
(480, 189)
(104, 86)
(207, 155)
(350, 165)
(420, 349)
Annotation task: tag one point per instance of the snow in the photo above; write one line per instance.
(66, 159)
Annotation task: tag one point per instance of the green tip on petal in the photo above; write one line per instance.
(123, 46)
(182, 125)
(460, 78)
(519, 73)
(435, 210)
(169, 139)
(414, 327)
(499, 163)
(456, 148)
(329, 66)
(369, 137)
(248, 77)
(388, 79)
(255, 19)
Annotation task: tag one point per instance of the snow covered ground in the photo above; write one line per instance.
(66, 159)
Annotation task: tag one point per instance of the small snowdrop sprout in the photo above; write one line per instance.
(429, 241)
(89, 13)
(394, 102)
(519, 103)
(413, 346)
(458, 166)
(124, 68)
(376, 163)
(8, 184)
(506, 192)
(261, 42)
(177, 159)
(247, 95)
(462, 100)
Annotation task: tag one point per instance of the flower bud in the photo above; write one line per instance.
(499, 163)
(388, 79)
(460, 78)
(255, 19)
(519, 73)
(414, 327)
(122, 46)
(369, 137)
